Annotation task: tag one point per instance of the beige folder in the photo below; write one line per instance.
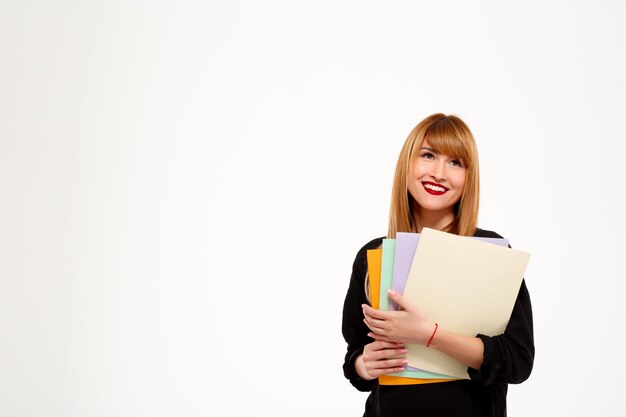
(464, 285)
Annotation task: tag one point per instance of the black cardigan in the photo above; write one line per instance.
(508, 359)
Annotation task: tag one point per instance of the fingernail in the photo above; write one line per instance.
(391, 292)
(403, 350)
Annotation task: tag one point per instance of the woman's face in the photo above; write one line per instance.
(436, 181)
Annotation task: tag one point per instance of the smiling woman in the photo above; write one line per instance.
(436, 186)
(436, 182)
(440, 152)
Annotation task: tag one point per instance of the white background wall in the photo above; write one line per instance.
(184, 185)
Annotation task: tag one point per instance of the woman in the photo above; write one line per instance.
(436, 185)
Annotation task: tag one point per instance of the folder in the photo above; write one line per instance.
(405, 246)
(466, 286)
(377, 262)
(386, 271)
(374, 263)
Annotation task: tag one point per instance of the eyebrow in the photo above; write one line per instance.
(426, 148)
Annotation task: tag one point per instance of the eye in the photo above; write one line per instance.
(428, 155)
(456, 163)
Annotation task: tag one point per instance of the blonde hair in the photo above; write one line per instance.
(447, 135)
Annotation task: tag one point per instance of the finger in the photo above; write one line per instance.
(383, 344)
(388, 354)
(379, 314)
(400, 300)
(376, 322)
(391, 363)
(386, 366)
(375, 315)
(375, 325)
(379, 372)
(380, 337)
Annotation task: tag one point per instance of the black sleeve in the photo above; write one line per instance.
(508, 358)
(353, 328)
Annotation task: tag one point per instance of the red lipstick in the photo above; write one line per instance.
(434, 188)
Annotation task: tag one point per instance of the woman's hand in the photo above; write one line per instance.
(380, 358)
(409, 325)
(412, 326)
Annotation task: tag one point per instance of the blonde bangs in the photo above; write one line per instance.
(448, 139)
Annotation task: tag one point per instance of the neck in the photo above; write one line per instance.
(438, 220)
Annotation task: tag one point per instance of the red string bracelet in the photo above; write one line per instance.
(433, 335)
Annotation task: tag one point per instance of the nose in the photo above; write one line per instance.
(438, 171)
